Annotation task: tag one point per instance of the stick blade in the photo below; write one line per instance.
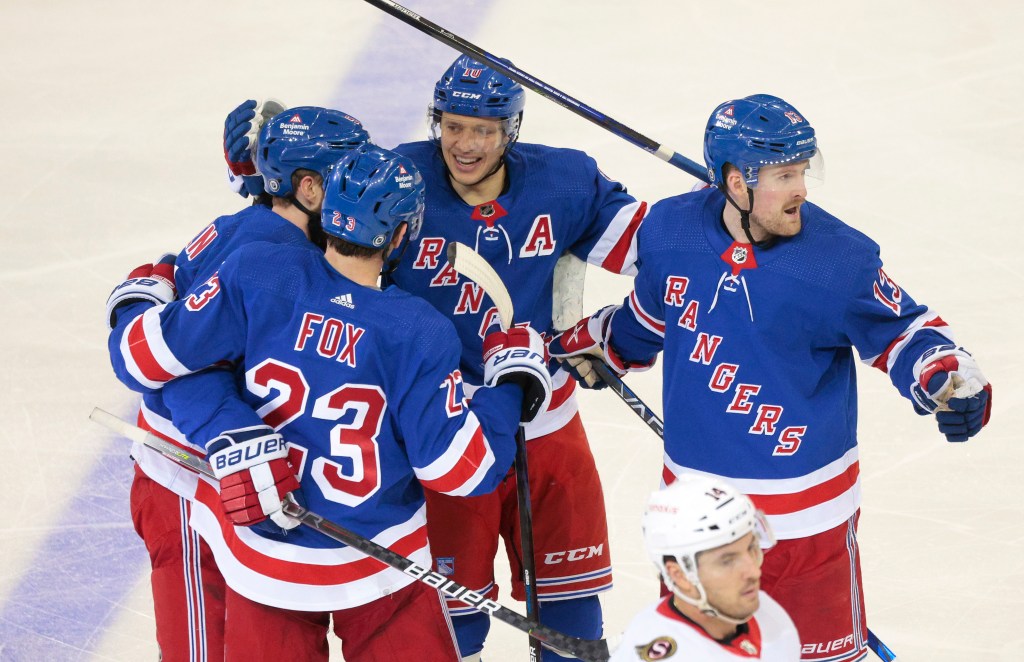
(470, 264)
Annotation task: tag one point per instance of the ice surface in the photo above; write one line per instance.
(111, 156)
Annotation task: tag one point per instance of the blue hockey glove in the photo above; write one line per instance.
(148, 283)
(949, 383)
(254, 473)
(241, 129)
(519, 356)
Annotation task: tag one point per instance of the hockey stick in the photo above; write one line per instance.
(567, 309)
(468, 262)
(594, 650)
(431, 29)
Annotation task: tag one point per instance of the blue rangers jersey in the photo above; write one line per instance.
(198, 399)
(557, 201)
(759, 384)
(364, 386)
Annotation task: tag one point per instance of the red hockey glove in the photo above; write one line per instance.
(519, 356)
(153, 283)
(948, 382)
(255, 475)
(586, 341)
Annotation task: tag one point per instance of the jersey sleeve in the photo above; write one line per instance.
(890, 330)
(455, 448)
(612, 221)
(208, 402)
(205, 326)
(638, 328)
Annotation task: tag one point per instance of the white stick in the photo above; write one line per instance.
(468, 262)
(567, 299)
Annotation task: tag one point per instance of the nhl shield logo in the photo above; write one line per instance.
(661, 648)
(739, 254)
(487, 210)
(748, 647)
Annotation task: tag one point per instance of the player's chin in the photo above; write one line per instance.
(789, 224)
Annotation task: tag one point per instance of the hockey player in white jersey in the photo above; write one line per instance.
(363, 384)
(707, 541)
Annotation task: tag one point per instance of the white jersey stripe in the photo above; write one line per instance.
(619, 225)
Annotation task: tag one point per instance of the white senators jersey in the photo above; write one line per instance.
(660, 632)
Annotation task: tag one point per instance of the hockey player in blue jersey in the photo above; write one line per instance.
(188, 589)
(521, 206)
(364, 386)
(757, 299)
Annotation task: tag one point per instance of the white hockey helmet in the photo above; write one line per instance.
(695, 514)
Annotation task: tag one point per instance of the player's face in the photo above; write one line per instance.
(780, 192)
(731, 576)
(472, 146)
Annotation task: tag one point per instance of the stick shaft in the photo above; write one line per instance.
(572, 104)
(595, 650)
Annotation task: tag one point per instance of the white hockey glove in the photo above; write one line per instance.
(948, 383)
(153, 283)
(519, 356)
(586, 341)
(255, 475)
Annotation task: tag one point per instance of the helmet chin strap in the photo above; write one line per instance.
(316, 234)
(392, 260)
(745, 218)
(701, 603)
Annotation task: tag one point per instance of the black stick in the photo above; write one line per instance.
(576, 106)
(592, 650)
(529, 559)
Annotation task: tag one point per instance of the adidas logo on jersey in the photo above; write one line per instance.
(344, 300)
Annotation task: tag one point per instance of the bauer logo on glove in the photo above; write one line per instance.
(519, 356)
(246, 454)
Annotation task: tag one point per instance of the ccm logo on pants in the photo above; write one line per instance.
(554, 558)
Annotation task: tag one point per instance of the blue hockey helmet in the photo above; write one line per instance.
(306, 137)
(756, 131)
(368, 193)
(472, 88)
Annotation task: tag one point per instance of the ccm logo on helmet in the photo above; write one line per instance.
(239, 455)
(465, 95)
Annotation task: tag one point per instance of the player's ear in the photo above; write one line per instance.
(396, 239)
(676, 574)
(735, 184)
(311, 186)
